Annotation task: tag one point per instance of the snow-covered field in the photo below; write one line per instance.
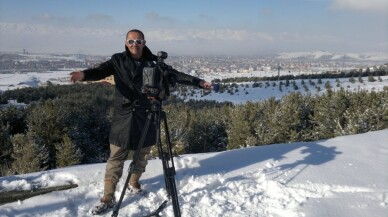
(344, 176)
(261, 93)
(34, 79)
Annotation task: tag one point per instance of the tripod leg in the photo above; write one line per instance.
(132, 165)
(169, 170)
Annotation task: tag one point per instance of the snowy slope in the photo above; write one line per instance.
(344, 176)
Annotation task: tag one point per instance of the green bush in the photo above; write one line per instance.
(68, 125)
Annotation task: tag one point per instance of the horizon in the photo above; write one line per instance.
(248, 28)
(382, 55)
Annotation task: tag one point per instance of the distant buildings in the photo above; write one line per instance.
(196, 65)
(107, 80)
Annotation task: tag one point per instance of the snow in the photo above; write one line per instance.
(259, 94)
(35, 79)
(32, 79)
(343, 176)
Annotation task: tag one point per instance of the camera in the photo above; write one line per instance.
(158, 79)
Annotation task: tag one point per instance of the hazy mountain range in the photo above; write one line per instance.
(308, 55)
(325, 55)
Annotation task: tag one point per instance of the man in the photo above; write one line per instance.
(129, 113)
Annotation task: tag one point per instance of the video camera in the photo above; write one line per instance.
(158, 79)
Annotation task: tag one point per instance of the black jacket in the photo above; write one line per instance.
(129, 114)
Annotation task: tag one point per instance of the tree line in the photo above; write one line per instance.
(69, 124)
(354, 73)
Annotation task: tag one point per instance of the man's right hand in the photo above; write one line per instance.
(77, 76)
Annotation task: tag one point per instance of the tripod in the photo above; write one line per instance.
(156, 114)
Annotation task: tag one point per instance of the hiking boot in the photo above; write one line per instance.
(105, 204)
(135, 189)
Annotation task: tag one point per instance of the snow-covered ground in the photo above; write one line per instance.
(344, 176)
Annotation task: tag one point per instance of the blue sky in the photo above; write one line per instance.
(200, 27)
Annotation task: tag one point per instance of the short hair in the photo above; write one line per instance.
(137, 31)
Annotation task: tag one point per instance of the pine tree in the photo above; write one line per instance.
(264, 122)
(179, 118)
(329, 120)
(206, 130)
(295, 122)
(45, 127)
(239, 129)
(67, 153)
(328, 85)
(356, 113)
(365, 112)
(27, 155)
(5, 144)
(5, 149)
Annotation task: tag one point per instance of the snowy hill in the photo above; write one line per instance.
(324, 55)
(344, 176)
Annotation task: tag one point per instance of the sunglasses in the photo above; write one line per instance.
(136, 41)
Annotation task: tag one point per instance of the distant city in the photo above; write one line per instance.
(312, 62)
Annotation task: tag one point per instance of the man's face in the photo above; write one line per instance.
(135, 44)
